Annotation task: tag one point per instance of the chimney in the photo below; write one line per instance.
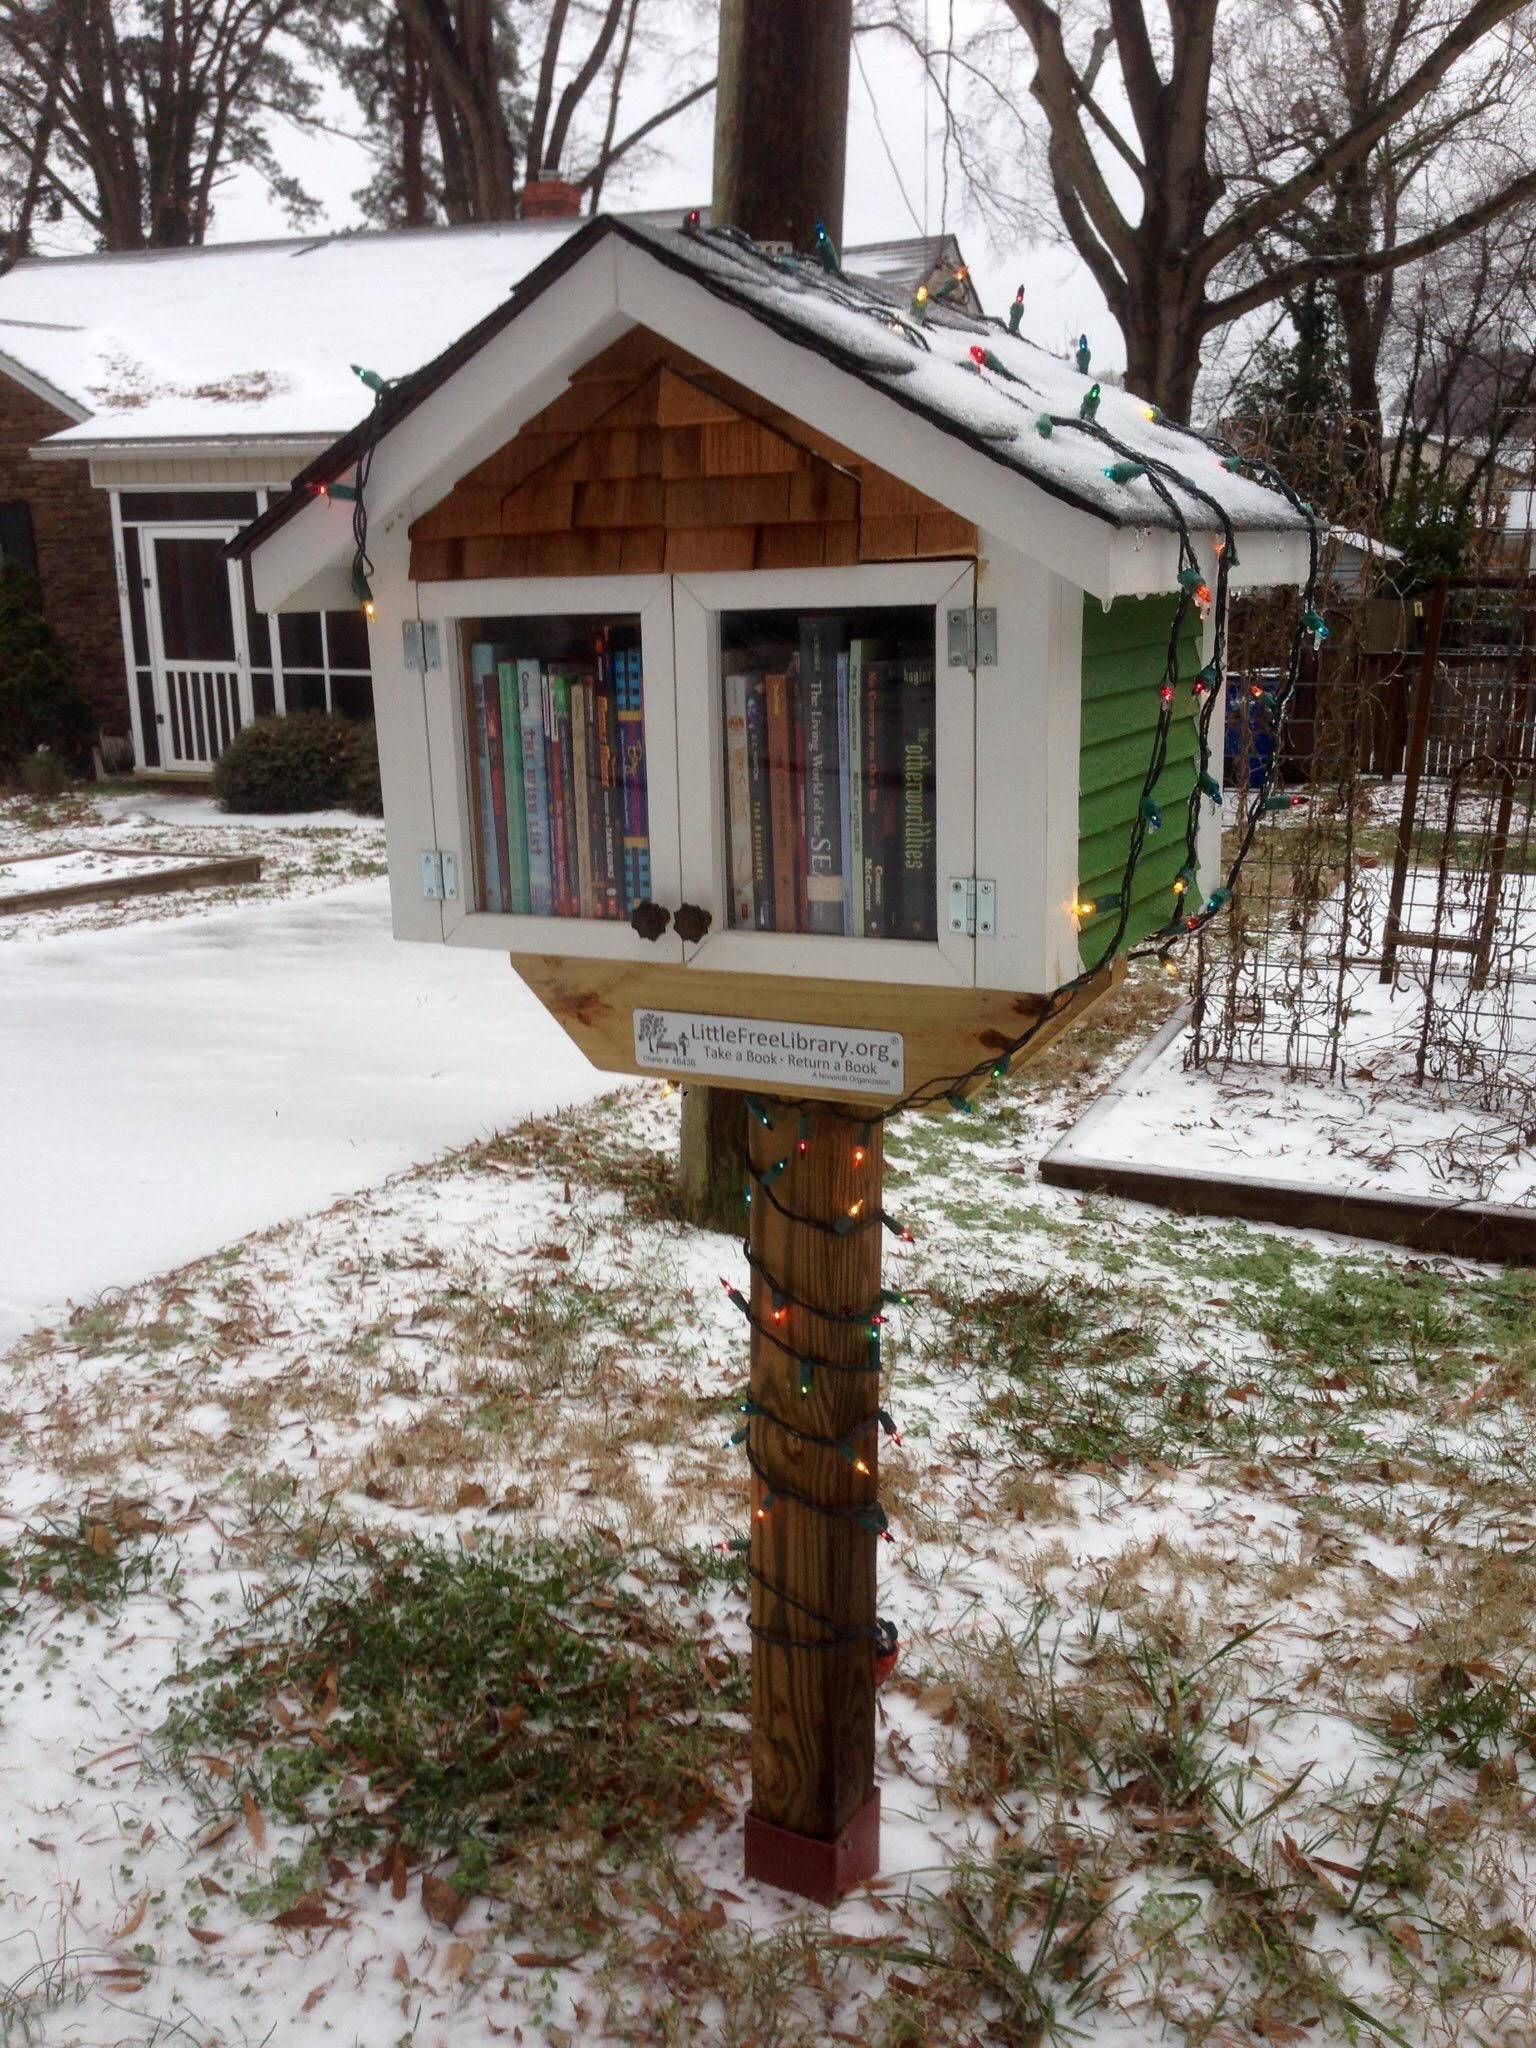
(551, 198)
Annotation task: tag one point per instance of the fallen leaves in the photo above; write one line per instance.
(440, 1901)
(255, 1825)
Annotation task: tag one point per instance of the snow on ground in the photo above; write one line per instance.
(69, 870)
(169, 1085)
(1352, 1135)
(303, 853)
(1272, 1112)
(1212, 1567)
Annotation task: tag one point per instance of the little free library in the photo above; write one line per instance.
(817, 692)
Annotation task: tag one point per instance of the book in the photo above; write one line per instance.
(781, 804)
(738, 801)
(482, 671)
(758, 802)
(536, 817)
(567, 785)
(882, 798)
(610, 821)
(919, 873)
(581, 793)
(490, 686)
(631, 722)
(519, 900)
(855, 767)
(820, 780)
(845, 791)
(557, 727)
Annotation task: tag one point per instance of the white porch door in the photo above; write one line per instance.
(194, 605)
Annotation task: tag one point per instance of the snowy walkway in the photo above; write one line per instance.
(165, 1088)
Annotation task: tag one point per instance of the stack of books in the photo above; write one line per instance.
(829, 766)
(561, 780)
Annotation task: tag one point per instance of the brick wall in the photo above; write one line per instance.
(73, 530)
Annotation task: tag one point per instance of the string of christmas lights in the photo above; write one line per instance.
(880, 1632)
(784, 1300)
(1164, 480)
(867, 1515)
(857, 1218)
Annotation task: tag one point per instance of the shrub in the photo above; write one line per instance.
(363, 793)
(297, 763)
(39, 703)
(44, 773)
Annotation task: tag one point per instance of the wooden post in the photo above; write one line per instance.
(1418, 740)
(814, 1823)
(781, 117)
(714, 1129)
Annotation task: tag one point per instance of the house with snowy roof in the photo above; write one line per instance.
(152, 404)
(752, 639)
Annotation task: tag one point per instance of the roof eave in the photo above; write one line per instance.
(50, 394)
(288, 447)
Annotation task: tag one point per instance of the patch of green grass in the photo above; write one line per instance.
(492, 1701)
(1468, 1717)
(97, 1561)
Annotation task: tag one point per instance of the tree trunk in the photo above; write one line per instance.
(711, 1161)
(814, 1823)
(781, 117)
(1162, 354)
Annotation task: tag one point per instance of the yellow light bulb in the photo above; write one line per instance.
(855, 1207)
(1180, 886)
(860, 1467)
(1085, 908)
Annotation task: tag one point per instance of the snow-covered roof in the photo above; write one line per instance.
(1020, 406)
(254, 340)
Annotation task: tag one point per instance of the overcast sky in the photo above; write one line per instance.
(1061, 298)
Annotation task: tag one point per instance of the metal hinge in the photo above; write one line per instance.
(972, 636)
(423, 645)
(439, 875)
(972, 907)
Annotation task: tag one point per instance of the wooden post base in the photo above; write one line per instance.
(811, 1868)
(812, 1441)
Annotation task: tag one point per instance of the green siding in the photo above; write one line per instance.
(1124, 652)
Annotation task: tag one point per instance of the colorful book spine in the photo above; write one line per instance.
(820, 781)
(609, 791)
(759, 803)
(781, 803)
(581, 792)
(557, 728)
(845, 791)
(530, 704)
(882, 799)
(919, 870)
(490, 687)
(637, 840)
(855, 760)
(738, 805)
(520, 901)
(482, 673)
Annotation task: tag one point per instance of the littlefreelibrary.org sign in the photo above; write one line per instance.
(759, 1049)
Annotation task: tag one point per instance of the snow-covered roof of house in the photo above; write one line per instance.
(254, 341)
